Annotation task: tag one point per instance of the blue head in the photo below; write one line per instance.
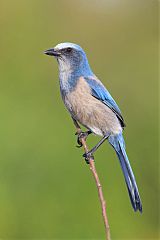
(71, 59)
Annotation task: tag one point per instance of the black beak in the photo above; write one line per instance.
(52, 52)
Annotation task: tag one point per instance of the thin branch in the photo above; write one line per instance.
(98, 184)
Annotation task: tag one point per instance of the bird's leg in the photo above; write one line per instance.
(82, 135)
(89, 154)
(77, 126)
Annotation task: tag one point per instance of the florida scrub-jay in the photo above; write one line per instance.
(91, 105)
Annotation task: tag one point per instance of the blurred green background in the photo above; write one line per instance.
(46, 189)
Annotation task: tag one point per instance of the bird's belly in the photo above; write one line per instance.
(92, 114)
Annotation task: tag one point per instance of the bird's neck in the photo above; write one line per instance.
(69, 75)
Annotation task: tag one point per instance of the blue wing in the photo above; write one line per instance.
(101, 93)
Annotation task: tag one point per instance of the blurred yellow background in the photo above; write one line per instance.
(46, 189)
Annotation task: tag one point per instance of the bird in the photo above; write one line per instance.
(91, 105)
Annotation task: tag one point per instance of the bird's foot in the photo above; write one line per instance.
(88, 157)
(81, 135)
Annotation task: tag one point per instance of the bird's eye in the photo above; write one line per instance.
(69, 49)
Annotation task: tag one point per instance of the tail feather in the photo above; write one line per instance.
(118, 144)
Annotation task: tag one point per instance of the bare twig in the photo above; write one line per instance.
(98, 184)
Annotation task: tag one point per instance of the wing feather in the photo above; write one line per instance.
(101, 93)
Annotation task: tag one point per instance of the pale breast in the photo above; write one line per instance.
(91, 112)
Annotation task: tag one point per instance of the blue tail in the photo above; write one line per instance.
(118, 144)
